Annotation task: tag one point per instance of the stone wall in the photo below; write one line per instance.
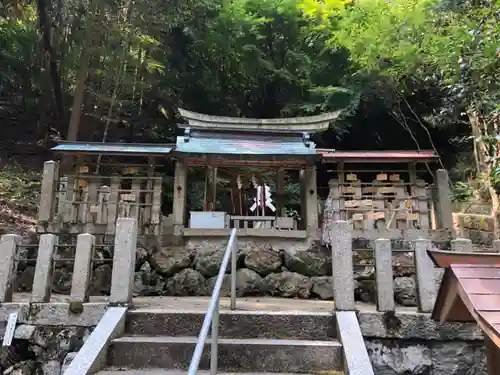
(266, 266)
(408, 343)
(41, 350)
(478, 227)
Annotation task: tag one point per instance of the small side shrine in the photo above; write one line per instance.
(258, 175)
(248, 152)
(470, 292)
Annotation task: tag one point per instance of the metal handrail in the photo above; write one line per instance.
(212, 315)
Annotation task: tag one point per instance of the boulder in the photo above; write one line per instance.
(405, 291)
(22, 368)
(396, 359)
(288, 284)
(188, 282)
(315, 261)
(364, 290)
(101, 280)
(51, 367)
(322, 287)
(263, 260)
(67, 361)
(168, 261)
(208, 264)
(248, 283)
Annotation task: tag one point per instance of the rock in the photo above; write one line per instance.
(248, 283)
(364, 273)
(61, 281)
(24, 280)
(323, 287)
(101, 280)
(208, 264)
(141, 256)
(25, 332)
(315, 261)
(396, 359)
(457, 358)
(364, 290)
(188, 282)
(288, 284)
(263, 260)
(405, 291)
(67, 361)
(51, 368)
(170, 260)
(403, 264)
(22, 368)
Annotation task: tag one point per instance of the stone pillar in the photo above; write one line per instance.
(81, 270)
(179, 204)
(383, 275)
(425, 276)
(311, 199)
(43, 270)
(342, 266)
(8, 265)
(444, 207)
(122, 279)
(48, 191)
(461, 245)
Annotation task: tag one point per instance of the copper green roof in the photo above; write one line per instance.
(245, 146)
(113, 148)
(310, 124)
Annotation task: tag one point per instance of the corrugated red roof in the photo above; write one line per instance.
(379, 155)
(470, 292)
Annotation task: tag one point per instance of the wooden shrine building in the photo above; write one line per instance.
(246, 164)
(470, 292)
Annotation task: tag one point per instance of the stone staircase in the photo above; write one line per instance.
(161, 342)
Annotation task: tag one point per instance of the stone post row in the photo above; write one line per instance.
(343, 273)
(122, 279)
(8, 265)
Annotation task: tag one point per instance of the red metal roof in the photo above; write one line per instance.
(469, 292)
(394, 155)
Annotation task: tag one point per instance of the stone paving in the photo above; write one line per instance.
(244, 304)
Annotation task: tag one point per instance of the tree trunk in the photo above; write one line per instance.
(45, 25)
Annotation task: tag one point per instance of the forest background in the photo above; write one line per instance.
(407, 74)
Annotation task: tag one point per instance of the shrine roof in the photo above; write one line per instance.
(310, 124)
(470, 290)
(113, 148)
(242, 145)
(378, 156)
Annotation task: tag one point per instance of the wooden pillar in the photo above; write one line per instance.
(280, 192)
(311, 198)
(303, 194)
(492, 356)
(179, 203)
(210, 189)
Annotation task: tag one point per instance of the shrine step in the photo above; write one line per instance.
(240, 355)
(125, 371)
(235, 324)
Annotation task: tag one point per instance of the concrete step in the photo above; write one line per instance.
(125, 371)
(235, 324)
(240, 355)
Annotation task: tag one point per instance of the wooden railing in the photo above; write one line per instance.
(265, 222)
